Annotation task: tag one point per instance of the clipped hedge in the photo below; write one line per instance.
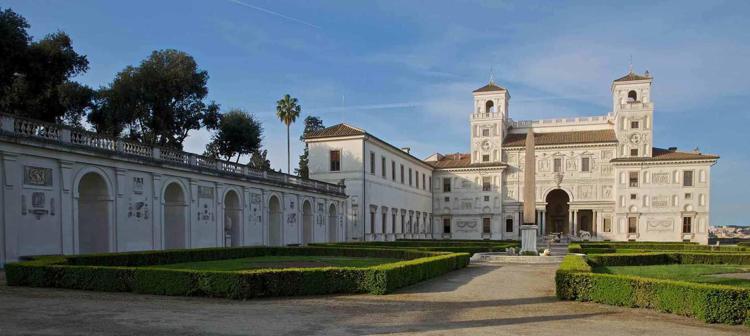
(470, 247)
(615, 247)
(574, 280)
(125, 272)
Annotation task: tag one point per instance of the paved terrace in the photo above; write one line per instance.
(479, 300)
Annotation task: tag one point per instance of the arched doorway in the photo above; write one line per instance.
(175, 217)
(332, 227)
(232, 219)
(274, 221)
(557, 212)
(307, 223)
(93, 214)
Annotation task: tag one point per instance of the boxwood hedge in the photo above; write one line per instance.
(614, 247)
(470, 247)
(710, 303)
(126, 272)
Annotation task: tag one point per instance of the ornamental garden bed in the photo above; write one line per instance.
(674, 282)
(239, 273)
(470, 247)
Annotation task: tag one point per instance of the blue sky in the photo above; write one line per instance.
(404, 70)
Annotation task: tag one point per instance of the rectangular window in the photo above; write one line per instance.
(372, 162)
(416, 178)
(607, 224)
(688, 196)
(409, 176)
(585, 164)
(335, 160)
(633, 196)
(446, 225)
(634, 124)
(447, 199)
(558, 165)
(634, 152)
(509, 225)
(403, 222)
(486, 184)
(382, 167)
(632, 224)
(424, 186)
(486, 225)
(486, 132)
(402, 174)
(486, 198)
(430, 179)
(486, 158)
(446, 184)
(372, 222)
(393, 222)
(687, 178)
(393, 170)
(634, 179)
(385, 221)
(687, 225)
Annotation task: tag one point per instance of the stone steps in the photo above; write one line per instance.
(502, 258)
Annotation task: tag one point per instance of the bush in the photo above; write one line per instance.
(124, 272)
(614, 247)
(470, 247)
(710, 303)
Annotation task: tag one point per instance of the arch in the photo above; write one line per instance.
(174, 210)
(94, 211)
(557, 211)
(632, 96)
(307, 222)
(232, 218)
(274, 221)
(489, 107)
(332, 225)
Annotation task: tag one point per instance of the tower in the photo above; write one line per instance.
(487, 123)
(634, 114)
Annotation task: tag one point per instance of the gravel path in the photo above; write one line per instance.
(478, 300)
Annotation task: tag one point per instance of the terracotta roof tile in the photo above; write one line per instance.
(631, 76)
(661, 154)
(339, 130)
(460, 160)
(489, 88)
(561, 138)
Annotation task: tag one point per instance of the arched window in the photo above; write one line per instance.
(632, 96)
(489, 107)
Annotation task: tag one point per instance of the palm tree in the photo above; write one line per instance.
(287, 110)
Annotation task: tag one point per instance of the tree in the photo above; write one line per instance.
(35, 76)
(237, 133)
(259, 161)
(288, 110)
(158, 102)
(311, 124)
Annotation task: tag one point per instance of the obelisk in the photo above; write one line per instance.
(529, 227)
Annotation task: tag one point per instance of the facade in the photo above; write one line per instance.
(597, 177)
(68, 191)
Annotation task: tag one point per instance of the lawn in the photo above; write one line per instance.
(278, 262)
(702, 273)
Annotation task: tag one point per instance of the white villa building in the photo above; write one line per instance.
(597, 176)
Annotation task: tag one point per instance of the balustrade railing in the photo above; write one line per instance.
(22, 127)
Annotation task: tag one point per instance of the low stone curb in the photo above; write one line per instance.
(506, 259)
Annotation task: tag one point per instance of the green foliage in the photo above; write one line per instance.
(471, 247)
(312, 124)
(630, 247)
(237, 133)
(700, 273)
(288, 109)
(259, 160)
(710, 303)
(266, 262)
(126, 272)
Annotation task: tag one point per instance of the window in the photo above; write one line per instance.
(486, 132)
(402, 174)
(687, 178)
(372, 162)
(335, 160)
(558, 165)
(446, 184)
(486, 184)
(485, 158)
(486, 198)
(632, 96)
(634, 179)
(403, 222)
(385, 221)
(430, 178)
(447, 199)
(393, 222)
(393, 170)
(585, 164)
(634, 124)
(634, 152)
(409, 176)
(632, 224)
(509, 225)
(687, 224)
(607, 224)
(372, 221)
(688, 196)
(633, 196)
(416, 177)
(446, 225)
(382, 167)
(486, 226)
(424, 186)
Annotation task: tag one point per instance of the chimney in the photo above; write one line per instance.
(672, 149)
(406, 149)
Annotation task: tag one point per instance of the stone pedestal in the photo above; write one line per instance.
(528, 238)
